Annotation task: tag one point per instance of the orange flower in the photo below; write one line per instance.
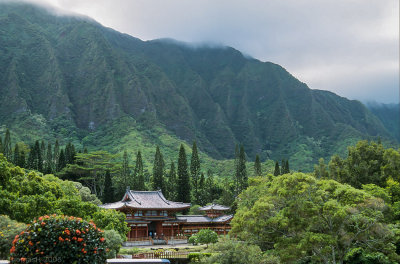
(41, 218)
(12, 249)
(43, 223)
(61, 239)
(74, 238)
(80, 239)
(30, 243)
(23, 259)
(102, 239)
(78, 232)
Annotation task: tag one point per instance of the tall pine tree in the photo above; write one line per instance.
(202, 190)
(125, 169)
(16, 155)
(237, 174)
(287, 166)
(172, 183)
(183, 177)
(61, 163)
(158, 171)
(138, 175)
(49, 168)
(257, 166)
(1, 145)
(195, 172)
(56, 156)
(243, 180)
(277, 170)
(22, 160)
(108, 196)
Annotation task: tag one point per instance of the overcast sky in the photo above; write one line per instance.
(350, 47)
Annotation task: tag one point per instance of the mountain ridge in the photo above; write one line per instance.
(78, 73)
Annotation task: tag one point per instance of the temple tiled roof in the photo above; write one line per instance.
(204, 219)
(215, 207)
(150, 200)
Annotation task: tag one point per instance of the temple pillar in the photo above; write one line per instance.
(136, 228)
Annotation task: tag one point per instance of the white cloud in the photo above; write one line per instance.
(350, 47)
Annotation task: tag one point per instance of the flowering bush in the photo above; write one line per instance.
(59, 239)
(8, 229)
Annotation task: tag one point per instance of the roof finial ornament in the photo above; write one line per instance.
(128, 188)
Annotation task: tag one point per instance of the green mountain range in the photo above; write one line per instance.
(71, 78)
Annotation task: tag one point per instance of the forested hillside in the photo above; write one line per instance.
(71, 78)
(389, 114)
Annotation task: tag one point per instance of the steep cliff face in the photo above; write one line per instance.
(74, 69)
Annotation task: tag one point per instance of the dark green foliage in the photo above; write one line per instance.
(320, 170)
(49, 163)
(108, 193)
(16, 154)
(43, 150)
(172, 183)
(125, 171)
(202, 198)
(210, 190)
(195, 172)
(35, 160)
(56, 155)
(139, 181)
(69, 153)
(366, 163)
(61, 163)
(158, 171)
(257, 166)
(285, 167)
(241, 172)
(1, 146)
(183, 177)
(22, 160)
(277, 170)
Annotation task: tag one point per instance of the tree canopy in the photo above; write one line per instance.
(303, 218)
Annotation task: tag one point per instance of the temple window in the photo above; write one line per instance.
(139, 213)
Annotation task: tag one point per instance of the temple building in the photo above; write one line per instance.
(151, 216)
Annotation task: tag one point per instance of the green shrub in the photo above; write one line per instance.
(8, 230)
(111, 219)
(193, 240)
(196, 256)
(129, 251)
(113, 242)
(60, 239)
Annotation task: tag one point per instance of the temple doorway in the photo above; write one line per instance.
(152, 228)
